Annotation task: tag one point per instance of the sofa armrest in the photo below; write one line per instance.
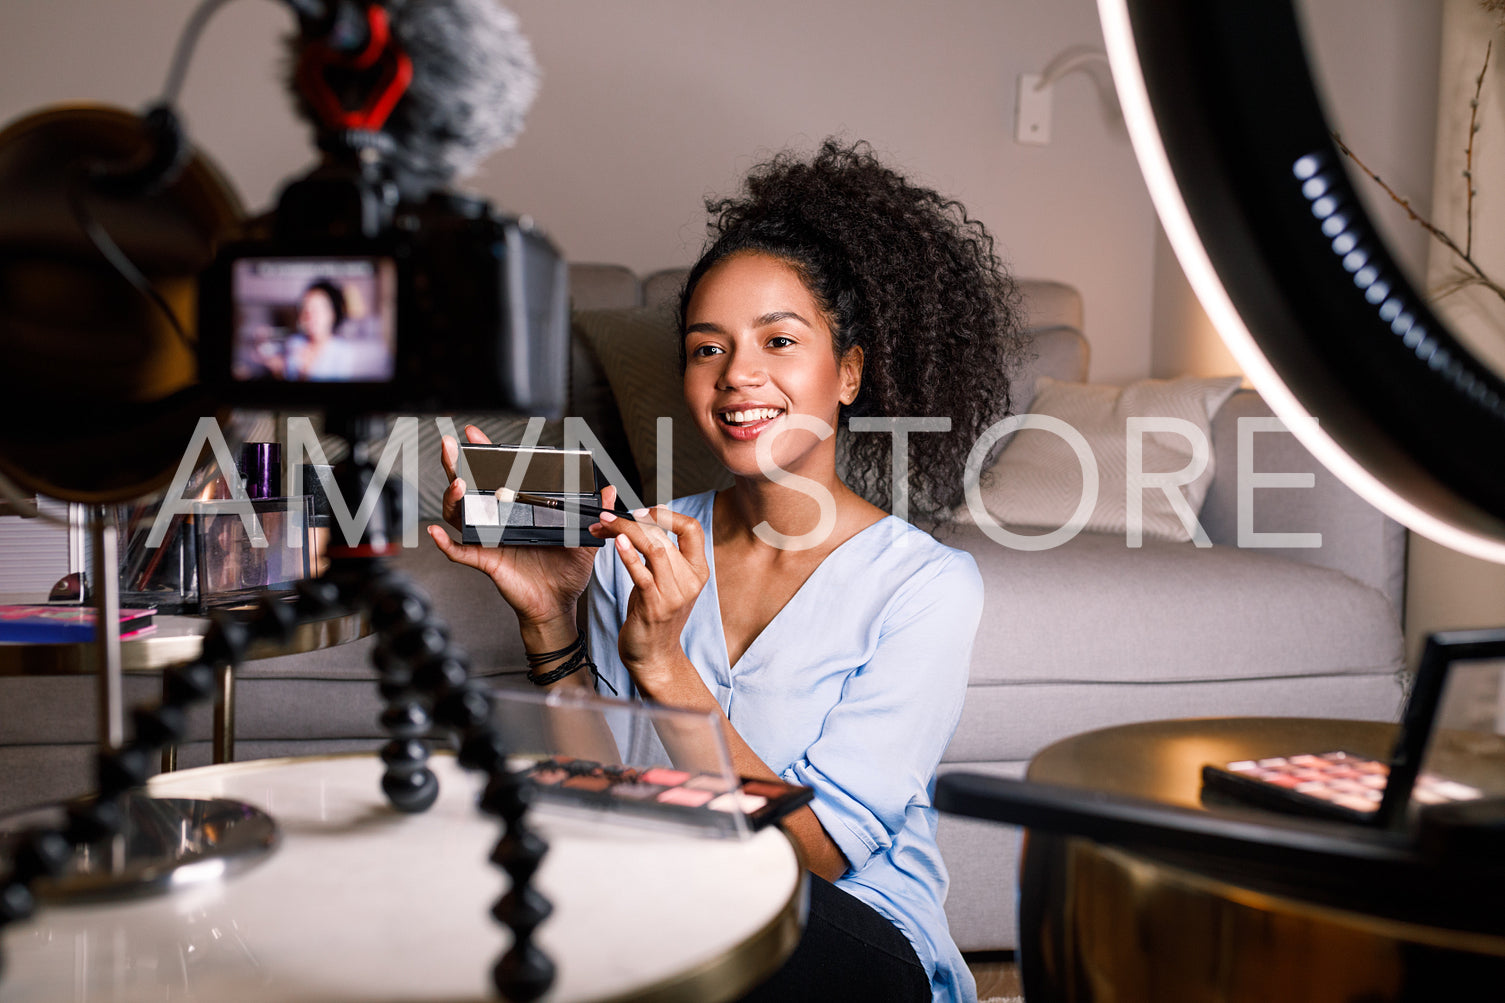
(1356, 538)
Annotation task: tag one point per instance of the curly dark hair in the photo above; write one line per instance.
(906, 275)
(335, 295)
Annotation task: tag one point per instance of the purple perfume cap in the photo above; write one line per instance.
(261, 466)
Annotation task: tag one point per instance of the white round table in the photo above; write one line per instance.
(360, 902)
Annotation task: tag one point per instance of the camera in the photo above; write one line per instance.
(372, 287)
(441, 305)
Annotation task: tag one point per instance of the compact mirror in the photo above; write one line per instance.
(1261, 208)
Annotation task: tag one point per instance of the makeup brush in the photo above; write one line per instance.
(506, 496)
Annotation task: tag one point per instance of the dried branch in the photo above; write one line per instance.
(1460, 281)
(1465, 253)
(1468, 163)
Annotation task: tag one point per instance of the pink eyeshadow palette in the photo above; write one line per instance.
(686, 796)
(667, 778)
(706, 800)
(1333, 784)
(737, 801)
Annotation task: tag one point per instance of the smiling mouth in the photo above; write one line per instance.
(749, 417)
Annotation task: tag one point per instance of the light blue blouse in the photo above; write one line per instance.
(854, 689)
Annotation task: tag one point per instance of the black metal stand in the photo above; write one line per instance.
(424, 679)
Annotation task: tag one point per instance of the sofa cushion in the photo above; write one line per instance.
(1191, 614)
(662, 288)
(1058, 352)
(42, 710)
(597, 287)
(638, 349)
(1038, 479)
(1357, 538)
(1056, 346)
(1017, 721)
(1051, 304)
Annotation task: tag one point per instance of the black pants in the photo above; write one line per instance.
(849, 951)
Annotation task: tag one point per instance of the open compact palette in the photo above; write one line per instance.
(1455, 704)
(704, 800)
(1339, 785)
(639, 762)
(568, 476)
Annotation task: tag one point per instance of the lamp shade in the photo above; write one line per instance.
(98, 393)
(1241, 165)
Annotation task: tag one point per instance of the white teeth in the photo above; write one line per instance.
(752, 414)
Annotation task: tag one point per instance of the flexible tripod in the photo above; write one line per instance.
(424, 680)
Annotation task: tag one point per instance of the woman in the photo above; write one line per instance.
(324, 347)
(312, 352)
(831, 638)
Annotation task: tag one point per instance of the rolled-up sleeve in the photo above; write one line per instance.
(879, 746)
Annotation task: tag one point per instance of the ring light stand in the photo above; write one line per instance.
(1251, 189)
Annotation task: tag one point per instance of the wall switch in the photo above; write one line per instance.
(1032, 111)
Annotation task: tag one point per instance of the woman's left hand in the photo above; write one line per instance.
(668, 575)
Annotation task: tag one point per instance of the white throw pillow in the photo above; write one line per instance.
(1037, 480)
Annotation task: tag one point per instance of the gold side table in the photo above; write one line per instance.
(1099, 922)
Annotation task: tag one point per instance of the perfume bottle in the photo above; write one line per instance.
(244, 568)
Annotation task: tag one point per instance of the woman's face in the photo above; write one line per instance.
(759, 352)
(316, 315)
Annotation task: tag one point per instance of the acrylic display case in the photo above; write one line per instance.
(240, 560)
(637, 762)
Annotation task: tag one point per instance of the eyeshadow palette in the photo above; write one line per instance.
(1338, 785)
(704, 800)
(541, 470)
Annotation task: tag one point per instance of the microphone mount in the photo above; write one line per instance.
(352, 71)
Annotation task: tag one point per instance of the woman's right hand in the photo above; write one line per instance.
(541, 584)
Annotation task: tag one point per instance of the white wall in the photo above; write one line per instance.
(649, 105)
(1446, 590)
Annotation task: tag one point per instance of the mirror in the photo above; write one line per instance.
(114, 427)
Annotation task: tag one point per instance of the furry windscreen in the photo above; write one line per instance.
(474, 79)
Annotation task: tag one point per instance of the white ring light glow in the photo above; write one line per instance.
(1154, 164)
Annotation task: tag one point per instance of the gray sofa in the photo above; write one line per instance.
(1086, 635)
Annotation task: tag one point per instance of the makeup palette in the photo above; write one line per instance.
(1333, 784)
(567, 478)
(705, 800)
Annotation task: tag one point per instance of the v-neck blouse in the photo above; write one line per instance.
(854, 689)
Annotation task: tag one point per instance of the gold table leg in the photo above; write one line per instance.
(170, 751)
(224, 717)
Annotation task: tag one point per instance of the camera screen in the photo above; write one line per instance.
(329, 319)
